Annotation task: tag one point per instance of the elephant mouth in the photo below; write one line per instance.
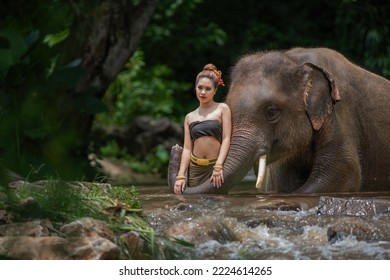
(261, 171)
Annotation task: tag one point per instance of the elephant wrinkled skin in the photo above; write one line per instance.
(322, 122)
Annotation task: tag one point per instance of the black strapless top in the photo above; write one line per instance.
(206, 128)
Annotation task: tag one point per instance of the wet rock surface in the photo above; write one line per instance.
(352, 206)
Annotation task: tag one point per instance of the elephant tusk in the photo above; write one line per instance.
(261, 172)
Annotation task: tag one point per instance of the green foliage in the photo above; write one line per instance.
(128, 195)
(62, 201)
(358, 29)
(139, 90)
(154, 162)
(112, 150)
(13, 47)
(37, 106)
(185, 35)
(58, 201)
(54, 39)
(364, 33)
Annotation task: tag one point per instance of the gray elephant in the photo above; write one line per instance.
(317, 122)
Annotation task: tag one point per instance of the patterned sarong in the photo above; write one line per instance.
(199, 171)
(198, 174)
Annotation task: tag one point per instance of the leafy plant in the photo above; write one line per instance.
(155, 162)
(140, 90)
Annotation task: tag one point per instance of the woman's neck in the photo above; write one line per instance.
(208, 105)
(207, 108)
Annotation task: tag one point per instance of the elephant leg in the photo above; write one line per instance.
(343, 175)
(174, 165)
(282, 179)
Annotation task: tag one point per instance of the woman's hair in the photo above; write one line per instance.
(211, 72)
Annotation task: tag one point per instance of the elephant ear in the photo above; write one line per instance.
(321, 95)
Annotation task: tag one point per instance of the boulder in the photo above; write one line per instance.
(134, 244)
(88, 227)
(84, 239)
(352, 206)
(38, 228)
(363, 228)
(57, 248)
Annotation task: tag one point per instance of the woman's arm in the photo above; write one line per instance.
(217, 177)
(226, 134)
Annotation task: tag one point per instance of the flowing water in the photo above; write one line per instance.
(247, 224)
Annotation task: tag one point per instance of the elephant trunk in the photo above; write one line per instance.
(241, 156)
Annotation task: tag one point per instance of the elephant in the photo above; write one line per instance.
(318, 123)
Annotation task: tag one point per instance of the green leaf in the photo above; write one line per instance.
(68, 76)
(90, 104)
(12, 47)
(36, 133)
(54, 39)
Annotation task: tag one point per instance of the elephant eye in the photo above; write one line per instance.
(272, 113)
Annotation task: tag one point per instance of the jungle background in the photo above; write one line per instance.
(78, 77)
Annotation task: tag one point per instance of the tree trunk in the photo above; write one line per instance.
(105, 36)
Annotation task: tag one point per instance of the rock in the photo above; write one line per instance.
(32, 248)
(362, 228)
(202, 230)
(84, 239)
(146, 133)
(352, 206)
(134, 244)
(38, 228)
(6, 217)
(88, 227)
(354, 217)
(57, 248)
(92, 248)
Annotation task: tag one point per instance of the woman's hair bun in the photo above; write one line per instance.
(210, 71)
(209, 67)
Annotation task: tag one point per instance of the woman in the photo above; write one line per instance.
(207, 133)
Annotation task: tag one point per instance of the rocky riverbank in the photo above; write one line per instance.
(75, 220)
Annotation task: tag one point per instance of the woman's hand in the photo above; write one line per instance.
(217, 178)
(180, 186)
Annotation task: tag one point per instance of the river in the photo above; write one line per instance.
(247, 224)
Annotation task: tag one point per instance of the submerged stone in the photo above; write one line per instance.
(352, 206)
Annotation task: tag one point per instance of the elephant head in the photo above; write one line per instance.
(277, 106)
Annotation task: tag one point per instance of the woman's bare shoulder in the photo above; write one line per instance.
(191, 116)
(224, 107)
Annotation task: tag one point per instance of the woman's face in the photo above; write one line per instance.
(205, 90)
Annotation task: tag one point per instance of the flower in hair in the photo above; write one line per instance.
(219, 76)
(220, 82)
